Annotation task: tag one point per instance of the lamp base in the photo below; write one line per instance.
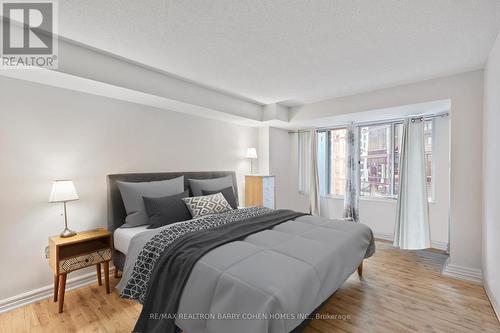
(67, 233)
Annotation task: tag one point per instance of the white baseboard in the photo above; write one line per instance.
(457, 272)
(35, 295)
(493, 300)
(439, 245)
(473, 275)
(384, 237)
(434, 244)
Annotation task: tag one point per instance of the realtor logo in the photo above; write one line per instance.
(29, 36)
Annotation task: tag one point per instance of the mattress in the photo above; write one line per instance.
(123, 236)
(290, 269)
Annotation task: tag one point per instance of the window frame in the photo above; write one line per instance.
(328, 162)
(393, 124)
(392, 145)
(431, 198)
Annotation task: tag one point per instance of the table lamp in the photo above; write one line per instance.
(251, 155)
(64, 191)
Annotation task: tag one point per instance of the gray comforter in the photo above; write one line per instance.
(268, 282)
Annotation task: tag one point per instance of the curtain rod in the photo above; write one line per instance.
(376, 122)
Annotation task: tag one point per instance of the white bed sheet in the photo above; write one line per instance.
(123, 236)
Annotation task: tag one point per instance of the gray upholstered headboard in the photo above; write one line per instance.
(116, 209)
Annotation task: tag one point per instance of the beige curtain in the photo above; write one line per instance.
(412, 213)
(308, 168)
(314, 202)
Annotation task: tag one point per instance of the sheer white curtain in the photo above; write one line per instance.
(351, 196)
(308, 168)
(412, 214)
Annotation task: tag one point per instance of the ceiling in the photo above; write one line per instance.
(288, 50)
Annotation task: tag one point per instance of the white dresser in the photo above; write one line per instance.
(260, 191)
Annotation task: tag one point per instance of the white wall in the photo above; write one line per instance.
(48, 133)
(466, 122)
(380, 214)
(279, 164)
(297, 201)
(275, 159)
(263, 151)
(491, 179)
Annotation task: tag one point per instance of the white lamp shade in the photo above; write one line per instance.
(63, 190)
(251, 153)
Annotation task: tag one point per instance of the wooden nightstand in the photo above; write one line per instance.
(86, 249)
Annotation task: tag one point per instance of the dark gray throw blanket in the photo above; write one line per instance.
(173, 267)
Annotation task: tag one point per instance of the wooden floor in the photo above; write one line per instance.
(402, 291)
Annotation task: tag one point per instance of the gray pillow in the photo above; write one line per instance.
(167, 210)
(207, 204)
(213, 184)
(132, 194)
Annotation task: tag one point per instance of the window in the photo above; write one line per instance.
(332, 161)
(338, 151)
(322, 163)
(398, 131)
(376, 157)
(379, 151)
(428, 131)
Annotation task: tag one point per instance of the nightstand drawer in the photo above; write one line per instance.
(72, 250)
(71, 264)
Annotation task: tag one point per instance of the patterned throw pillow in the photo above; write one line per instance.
(207, 204)
(228, 194)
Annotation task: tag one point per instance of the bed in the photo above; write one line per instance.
(267, 279)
